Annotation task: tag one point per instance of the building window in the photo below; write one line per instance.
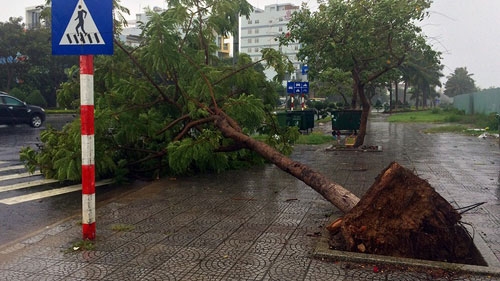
(249, 40)
(280, 19)
(256, 21)
(256, 40)
(249, 31)
(249, 21)
(280, 29)
(256, 31)
(249, 50)
(256, 50)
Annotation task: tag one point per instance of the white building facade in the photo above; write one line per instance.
(32, 17)
(262, 30)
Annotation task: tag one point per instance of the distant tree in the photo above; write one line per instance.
(333, 82)
(26, 61)
(460, 82)
(422, 70)
(365, 38)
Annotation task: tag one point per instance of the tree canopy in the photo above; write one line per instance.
(365, 38)
(460, 82)
(26, 61)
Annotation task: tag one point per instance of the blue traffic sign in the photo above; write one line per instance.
(82, 27)
(305, 69)
(289, 87)
(297, 87)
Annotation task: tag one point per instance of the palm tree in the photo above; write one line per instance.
(422, 70)
(460, 82)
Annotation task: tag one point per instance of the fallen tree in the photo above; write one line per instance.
(400, 215)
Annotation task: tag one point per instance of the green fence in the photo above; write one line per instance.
(484, 102)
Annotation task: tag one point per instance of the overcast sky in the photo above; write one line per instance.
(467, 32)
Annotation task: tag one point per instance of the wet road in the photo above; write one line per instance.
(21, 219)
(13, 138)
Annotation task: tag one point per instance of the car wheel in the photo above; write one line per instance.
(36, 121)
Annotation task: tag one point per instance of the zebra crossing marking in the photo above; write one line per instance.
(24, 185)
(18, 176)
(48, 193)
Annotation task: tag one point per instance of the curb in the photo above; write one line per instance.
(323, 251)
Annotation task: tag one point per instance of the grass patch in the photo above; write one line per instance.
(61, 111)
(427, 116)
(122, 227)
(324, 120)
(461, 123)
(314, 138)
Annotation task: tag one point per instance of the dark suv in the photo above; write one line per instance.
(14, 111)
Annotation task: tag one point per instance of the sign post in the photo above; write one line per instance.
(85, 28)
(88, 147)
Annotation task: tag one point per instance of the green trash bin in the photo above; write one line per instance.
(308, 120)
(282, 118)
(302, 119)
(346, 120)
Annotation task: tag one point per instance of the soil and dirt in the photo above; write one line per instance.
(401, 215)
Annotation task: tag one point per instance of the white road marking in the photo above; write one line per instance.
(10, 168)
(18, 176)
(26, 184)
(48, 193)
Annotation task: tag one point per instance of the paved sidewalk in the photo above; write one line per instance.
(262, 224)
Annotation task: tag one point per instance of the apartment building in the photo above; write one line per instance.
(262, 29)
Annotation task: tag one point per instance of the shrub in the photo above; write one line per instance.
(18, 93)
(436, 110)
(453, 118)
(36, 98)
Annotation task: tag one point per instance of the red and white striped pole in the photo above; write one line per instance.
(88, 150)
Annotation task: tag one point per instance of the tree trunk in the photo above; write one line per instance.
(340, 197)
(355, 94)
(396, 93)
(390, 97)
(405, 91)
(360, 138)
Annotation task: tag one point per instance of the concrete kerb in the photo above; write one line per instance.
(323, 251)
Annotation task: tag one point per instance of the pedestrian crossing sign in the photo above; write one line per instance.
(82, 27)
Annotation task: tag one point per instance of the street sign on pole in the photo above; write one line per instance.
(82, 27)
(85, 28)
(305, 69)
(297, 87)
